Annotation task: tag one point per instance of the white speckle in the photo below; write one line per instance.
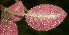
(55, 22)
(28, 24)
(44, 24)
(6, 20)
(10, 21)
(33, 23)
(38, 6)
(30, 21)
(53, 25)
(4, 29)
(32, 27)
(6, 26)
(10, 30)
(35, 27)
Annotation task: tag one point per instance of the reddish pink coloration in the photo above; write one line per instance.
(17, 11)
(45, 17)
(8, 28)
(18, 6)
(2, 7)
(7, 25)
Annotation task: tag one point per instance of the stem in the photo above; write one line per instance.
(25, 9)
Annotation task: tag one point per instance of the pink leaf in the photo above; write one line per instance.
(8, 28)
(45, 17)
(16, 11)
